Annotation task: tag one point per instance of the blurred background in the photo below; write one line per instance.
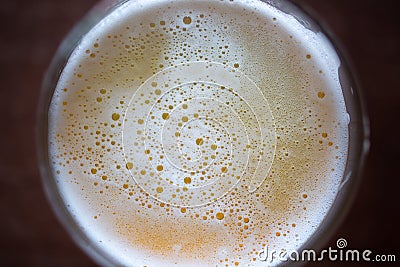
(31, 31)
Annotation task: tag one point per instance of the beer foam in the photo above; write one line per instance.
(198, 132)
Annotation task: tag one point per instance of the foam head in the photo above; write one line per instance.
(187, 132)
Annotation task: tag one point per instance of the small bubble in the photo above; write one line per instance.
(159, 189)
(187, 20)
(321, 95)
(115, 116)
(187, 180)
(199, 141)
(129, 165)
(165, 116)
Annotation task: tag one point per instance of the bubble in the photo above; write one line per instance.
(187, 20)
(129, 165)
(187, 180)
(321, 95)
(219, 215)
(115, 116)
(160, 168)
(159, 189)
(165, 116)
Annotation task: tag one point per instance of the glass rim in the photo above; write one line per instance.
(358, 132)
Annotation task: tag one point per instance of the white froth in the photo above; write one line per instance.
(296, 71)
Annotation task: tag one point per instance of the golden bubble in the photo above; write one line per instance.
(129, 165)
(104, 177)
(159, 189)
(187, 20)
(321, 95)
(157, 92)
(308, 56)
(165, 116)
(93, 171)
(185, 119)
(115, 116)
(214, 147)
(152, 25)
(219, 215)
(140, 121)
(160, 168)
(183, 210)
(126, 186)
(187, 180)
(236, 65)
(324, 135)
(103, 91)
(184, 106)
(224, 169)
(199, 141)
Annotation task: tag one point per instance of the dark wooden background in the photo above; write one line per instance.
(31, 30)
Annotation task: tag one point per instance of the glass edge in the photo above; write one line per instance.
(349, 188)
(338, 210)
(49, 82)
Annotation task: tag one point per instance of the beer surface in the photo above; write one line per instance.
(198, 132)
